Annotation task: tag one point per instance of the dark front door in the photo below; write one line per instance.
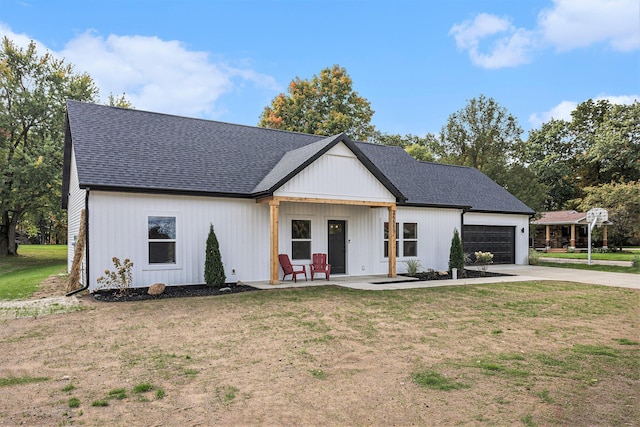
(337, 251)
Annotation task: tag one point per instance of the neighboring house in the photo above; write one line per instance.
(562, 230)
(151, 184)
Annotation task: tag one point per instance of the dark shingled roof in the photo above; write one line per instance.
(133, 150)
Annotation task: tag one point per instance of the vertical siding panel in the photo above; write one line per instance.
(76, 203)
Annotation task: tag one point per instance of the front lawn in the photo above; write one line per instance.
(21, 275)
(610, 256)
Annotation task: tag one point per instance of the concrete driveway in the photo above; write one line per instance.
(534, 272)
(518, 273)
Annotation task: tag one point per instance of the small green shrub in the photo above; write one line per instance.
(413, 265)
(213, 267)
(456, 254)
(483, 259)
(534, 257)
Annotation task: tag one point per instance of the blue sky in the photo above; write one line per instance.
(417, 62)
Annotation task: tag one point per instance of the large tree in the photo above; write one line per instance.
(33, 91)
(600, 145)
(622, 200)
(483, 135)
(324, 105)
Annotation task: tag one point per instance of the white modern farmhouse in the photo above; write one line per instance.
(149, 185)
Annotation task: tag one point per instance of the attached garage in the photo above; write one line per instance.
(499, 240)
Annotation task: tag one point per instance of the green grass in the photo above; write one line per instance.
(74, 402)
(610, 256)
(142, 388)
(434, 380)
(593, 267)
(21, 275)
(4, 382)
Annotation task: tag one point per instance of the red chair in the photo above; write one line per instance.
(320, 265)
(288, 268)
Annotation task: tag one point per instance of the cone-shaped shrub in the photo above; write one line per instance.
(213, 268)
(456, 255)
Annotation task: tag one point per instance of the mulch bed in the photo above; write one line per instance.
(468, 274)
(140, 294)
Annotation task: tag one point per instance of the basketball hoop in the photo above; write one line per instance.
(595, 216)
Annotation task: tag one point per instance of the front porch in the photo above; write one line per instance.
(359, 282)
(563, 231)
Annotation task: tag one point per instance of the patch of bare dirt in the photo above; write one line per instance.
(325, 356)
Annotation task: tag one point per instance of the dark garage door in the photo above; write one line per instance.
(499, 240)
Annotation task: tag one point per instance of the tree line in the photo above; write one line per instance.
(594, 159)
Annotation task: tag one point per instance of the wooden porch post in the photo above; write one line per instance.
(547, 237)
(604, 237)
(273, 214)
(572, 243)
(392, 241)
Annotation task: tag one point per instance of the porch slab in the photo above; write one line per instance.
(356, 282)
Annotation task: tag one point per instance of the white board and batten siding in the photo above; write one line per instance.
(520, 222)
(75, 204)
(337, 175)
(118, 225)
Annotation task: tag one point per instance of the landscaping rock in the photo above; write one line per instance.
(443, 273)
(156, 289)
(227, 289)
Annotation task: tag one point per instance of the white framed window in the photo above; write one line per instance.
(300, 239)
(410, 239)
(162, 240)
(406, 243)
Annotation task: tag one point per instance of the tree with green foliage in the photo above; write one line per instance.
(600, 145)
(324, 105)
(551, 153)
(622, 201)
(213, 267)
(420, 148)
(482, 135)
(119, 101)
(456, 254)
(33, 91)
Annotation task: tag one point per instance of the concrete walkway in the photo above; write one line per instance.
(519, 273)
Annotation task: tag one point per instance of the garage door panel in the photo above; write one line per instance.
(499, 240)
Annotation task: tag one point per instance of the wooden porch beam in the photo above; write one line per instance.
(325, 201)
(273, 215)
(392, 241)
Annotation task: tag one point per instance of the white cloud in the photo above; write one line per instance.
(572, 24)
(511, 46)
(154, 74)
(567, 25)
(563, 110)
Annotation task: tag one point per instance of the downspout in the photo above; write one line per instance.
(464, 210)
(86, 247)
